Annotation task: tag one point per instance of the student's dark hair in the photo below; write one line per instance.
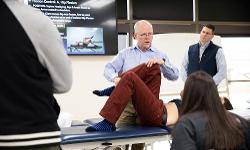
(227, 104)
(223, 131)
(210, 26)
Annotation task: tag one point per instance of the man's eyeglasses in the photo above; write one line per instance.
(146, 34)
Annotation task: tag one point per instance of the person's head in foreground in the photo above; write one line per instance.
(204, 123)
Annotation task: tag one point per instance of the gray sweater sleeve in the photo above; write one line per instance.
(47, 42)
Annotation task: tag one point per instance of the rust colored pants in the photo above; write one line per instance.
(142, 85)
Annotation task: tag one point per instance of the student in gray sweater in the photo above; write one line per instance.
(34, 66)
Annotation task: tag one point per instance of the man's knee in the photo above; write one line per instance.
(129, 75)
(155, 67)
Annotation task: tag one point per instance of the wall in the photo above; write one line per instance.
(87, 76)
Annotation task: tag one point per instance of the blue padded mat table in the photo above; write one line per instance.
(75, 137)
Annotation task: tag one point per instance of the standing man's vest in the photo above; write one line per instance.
(207, 62)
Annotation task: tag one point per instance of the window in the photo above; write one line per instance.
(163, 10)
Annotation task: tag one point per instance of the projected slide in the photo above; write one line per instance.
(87, 27)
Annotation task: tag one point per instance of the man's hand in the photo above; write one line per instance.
(150, 62)
(116, 80)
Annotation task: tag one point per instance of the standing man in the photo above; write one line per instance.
(205, 56)
(34, 66)
(130, 57)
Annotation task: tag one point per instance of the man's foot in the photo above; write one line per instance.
(104, 92)
(104, 125)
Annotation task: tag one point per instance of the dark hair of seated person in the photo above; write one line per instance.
(201, 98)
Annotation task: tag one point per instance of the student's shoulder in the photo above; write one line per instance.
(243, 120)
(193, 117)
(23, 9)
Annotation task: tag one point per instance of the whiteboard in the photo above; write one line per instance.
(175, 45)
